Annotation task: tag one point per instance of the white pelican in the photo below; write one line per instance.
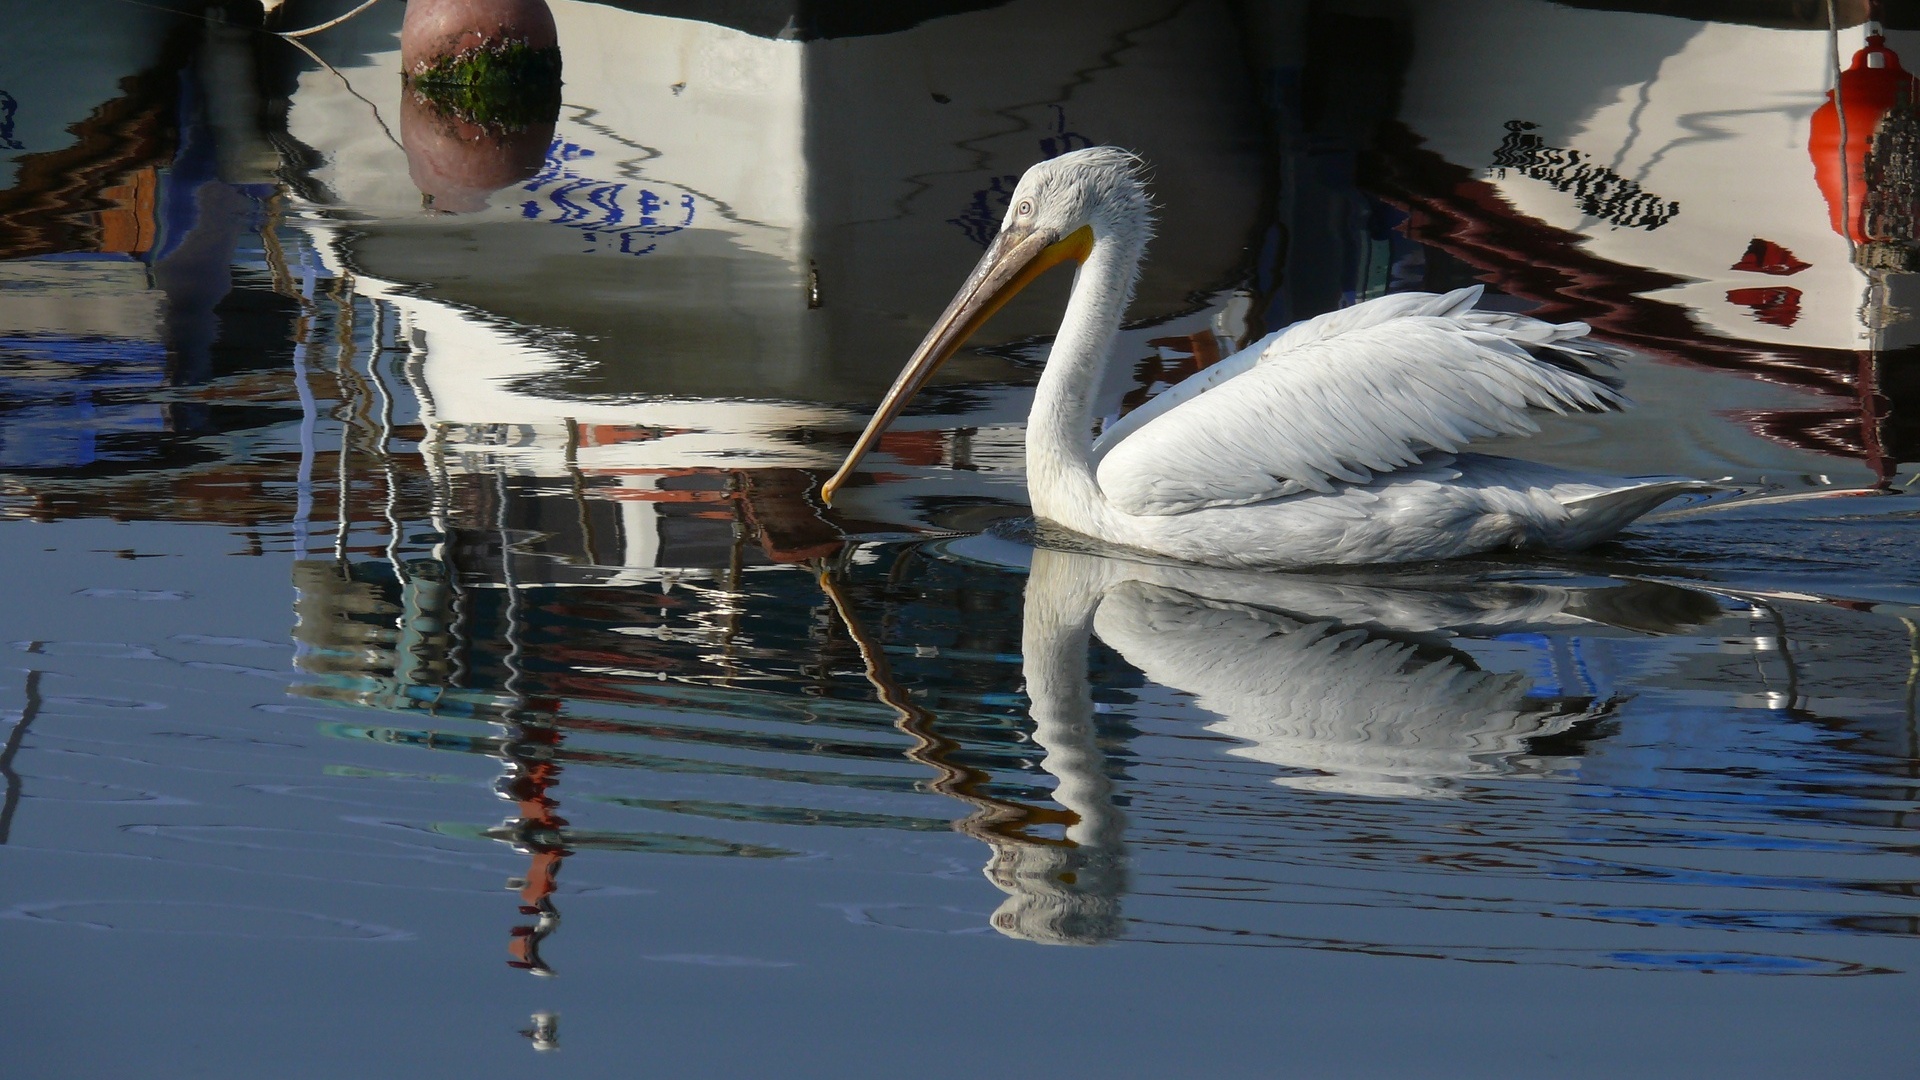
(1332, 441)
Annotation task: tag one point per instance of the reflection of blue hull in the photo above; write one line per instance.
(604, 212)
(59, 384)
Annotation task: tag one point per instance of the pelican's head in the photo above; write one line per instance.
(1101, 188)
(1059, 211)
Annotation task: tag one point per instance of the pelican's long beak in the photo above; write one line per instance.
(1013, 260)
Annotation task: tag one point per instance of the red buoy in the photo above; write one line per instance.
(434, 30)
(1871, 90)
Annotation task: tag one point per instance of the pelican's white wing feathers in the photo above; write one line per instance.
(1345, 396)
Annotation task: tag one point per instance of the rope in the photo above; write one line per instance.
(329, 24)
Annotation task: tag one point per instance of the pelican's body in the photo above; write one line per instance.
(1331, 442)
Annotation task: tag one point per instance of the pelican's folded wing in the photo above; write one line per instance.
(1345, 396)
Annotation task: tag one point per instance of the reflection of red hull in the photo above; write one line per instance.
(1767, 257)
(1777, 305)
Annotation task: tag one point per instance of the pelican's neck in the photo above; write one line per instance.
(1060, 479)
(1063, 592)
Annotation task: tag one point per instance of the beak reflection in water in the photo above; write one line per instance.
(1017, 256)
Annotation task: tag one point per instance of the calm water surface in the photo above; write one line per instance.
(425, 654)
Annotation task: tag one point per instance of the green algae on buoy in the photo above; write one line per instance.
(482, 96)
(492, 63)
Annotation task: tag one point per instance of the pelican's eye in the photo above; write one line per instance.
(1025, 209)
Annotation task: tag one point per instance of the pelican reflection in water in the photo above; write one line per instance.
(1346, 687)
(1334, 441)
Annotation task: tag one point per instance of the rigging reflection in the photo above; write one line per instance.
(538, 831)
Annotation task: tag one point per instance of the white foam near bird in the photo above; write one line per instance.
(1334, 441)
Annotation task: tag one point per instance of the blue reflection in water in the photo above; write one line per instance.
(1740, 963)
(59, 398)
(636, 216)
